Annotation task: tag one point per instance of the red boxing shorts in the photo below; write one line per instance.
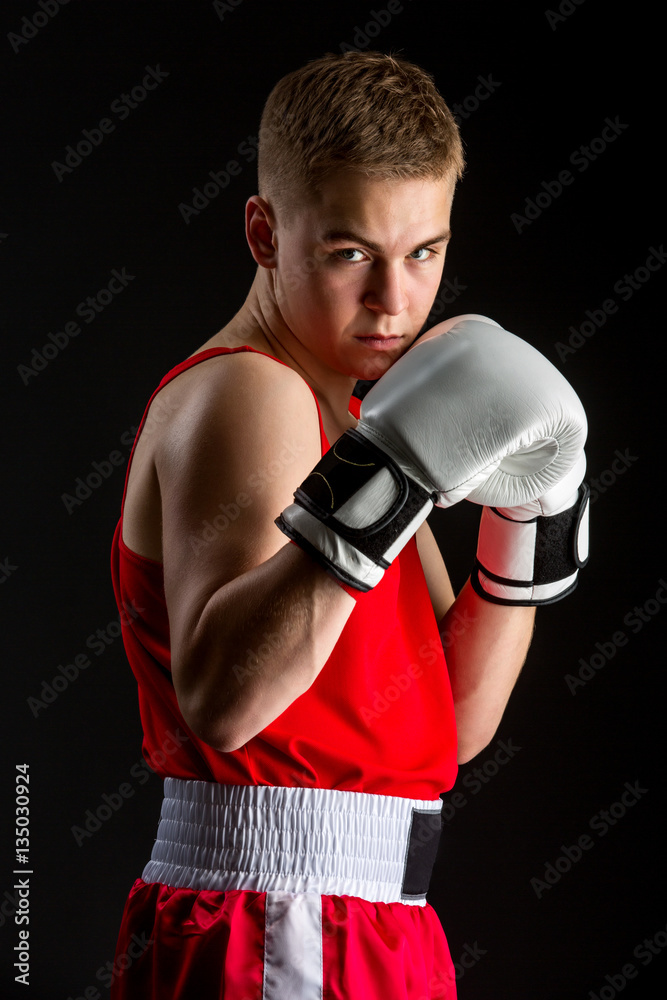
(259, 892)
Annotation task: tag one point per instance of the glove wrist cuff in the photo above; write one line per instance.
(355, 511)
(352, 590)
(526, 563)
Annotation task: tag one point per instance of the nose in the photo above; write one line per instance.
(387, 292)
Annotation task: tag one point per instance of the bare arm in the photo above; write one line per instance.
(485, 646)
(252, 618)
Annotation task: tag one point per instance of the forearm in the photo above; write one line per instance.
(259, 643)
(485, 645)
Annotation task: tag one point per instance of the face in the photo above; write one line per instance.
(358, 270)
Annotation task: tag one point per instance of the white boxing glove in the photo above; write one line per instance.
(470, 411)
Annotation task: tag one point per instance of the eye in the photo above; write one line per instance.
(348, 250)
(425, 250)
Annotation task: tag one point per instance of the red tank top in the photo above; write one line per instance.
(378, 718)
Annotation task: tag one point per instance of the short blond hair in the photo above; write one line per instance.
(364, 111)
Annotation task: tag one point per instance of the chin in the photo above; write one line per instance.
(370, 371)
(372, 368)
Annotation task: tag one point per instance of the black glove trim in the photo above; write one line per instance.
(505, 580)
(343, 471)
(492, 599)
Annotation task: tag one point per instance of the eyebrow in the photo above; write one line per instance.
(339, 235)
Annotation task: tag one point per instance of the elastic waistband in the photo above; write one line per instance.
(265, 838)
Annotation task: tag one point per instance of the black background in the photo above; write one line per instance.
(556, 78)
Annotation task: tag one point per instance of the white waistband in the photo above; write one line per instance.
(266, 838)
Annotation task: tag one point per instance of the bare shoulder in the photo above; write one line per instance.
(217, 430)
(239, 398)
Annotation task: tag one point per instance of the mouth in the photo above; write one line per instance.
(380, 342)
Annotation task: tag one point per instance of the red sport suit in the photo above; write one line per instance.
(378, 719)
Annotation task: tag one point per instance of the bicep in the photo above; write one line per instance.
(437, 578)
(228, 467)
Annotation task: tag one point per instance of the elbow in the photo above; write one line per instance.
(213, 731)
(465, 754)
(208, 721)
(472, 745)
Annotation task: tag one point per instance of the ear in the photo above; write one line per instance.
(260, 231)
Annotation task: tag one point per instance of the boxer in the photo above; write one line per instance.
(297, 607)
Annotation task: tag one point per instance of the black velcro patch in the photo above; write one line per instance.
(343, 471)
(556, 543)
(340, 473)
(421, 853)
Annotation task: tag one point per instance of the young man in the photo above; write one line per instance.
(292, 681)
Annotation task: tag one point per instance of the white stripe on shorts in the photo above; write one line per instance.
(293, 946)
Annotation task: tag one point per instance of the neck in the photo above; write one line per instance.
(259, 321)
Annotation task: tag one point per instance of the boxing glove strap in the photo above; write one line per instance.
(355, 511)
(534, 562)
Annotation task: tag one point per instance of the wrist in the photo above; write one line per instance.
(348, 588)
